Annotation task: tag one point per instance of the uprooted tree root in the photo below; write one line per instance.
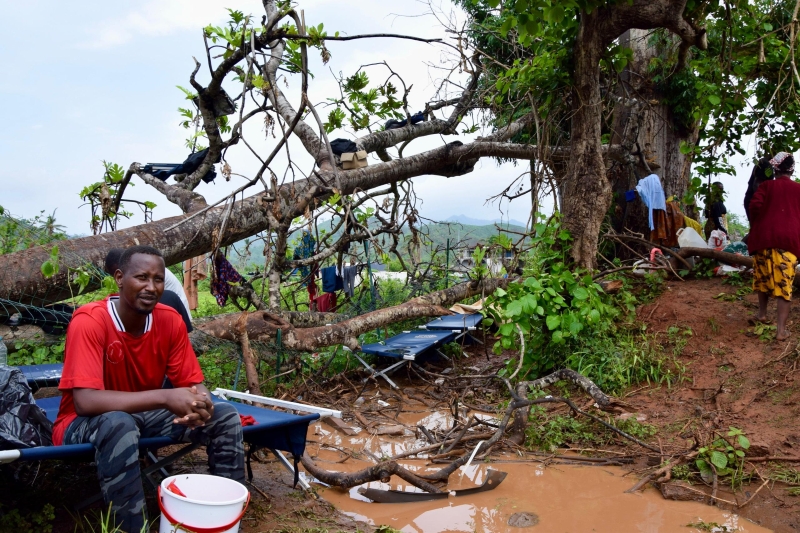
(517, 408)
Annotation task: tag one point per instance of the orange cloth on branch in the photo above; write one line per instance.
(667, 223)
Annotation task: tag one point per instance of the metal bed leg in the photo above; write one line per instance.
(382, 373)
(171, 458)
(154, 458)
(290, 467)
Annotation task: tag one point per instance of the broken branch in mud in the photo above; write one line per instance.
(663, 471)
(384, 470)
(380, 472)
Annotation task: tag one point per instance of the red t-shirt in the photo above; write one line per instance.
(100, 355)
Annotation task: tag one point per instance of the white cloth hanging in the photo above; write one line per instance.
(652, 194)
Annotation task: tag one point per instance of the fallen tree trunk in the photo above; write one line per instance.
(724, 257)
(263, 326)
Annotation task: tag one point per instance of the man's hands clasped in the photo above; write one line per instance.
(191, 405)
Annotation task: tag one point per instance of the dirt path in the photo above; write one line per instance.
(734, 378)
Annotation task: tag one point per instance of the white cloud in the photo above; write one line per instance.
(162, 17)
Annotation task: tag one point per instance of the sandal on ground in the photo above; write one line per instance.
(755, 321)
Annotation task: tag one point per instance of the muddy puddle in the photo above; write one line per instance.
(562, 499)
(556, 498)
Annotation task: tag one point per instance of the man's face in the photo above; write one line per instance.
(142, 283)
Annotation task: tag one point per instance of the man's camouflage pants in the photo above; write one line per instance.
(115, 436)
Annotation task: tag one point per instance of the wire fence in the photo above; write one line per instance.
(17, 234)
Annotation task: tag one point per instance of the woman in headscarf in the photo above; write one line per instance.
(716, 210)
(774, 241)
(762, 171)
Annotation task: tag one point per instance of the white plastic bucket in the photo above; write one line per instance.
(212, 504)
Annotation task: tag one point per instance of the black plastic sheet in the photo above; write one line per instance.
(23, 424)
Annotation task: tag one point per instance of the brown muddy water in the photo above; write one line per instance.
(566, 499)
(556, 498)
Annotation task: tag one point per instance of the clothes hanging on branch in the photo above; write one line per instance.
(349, 274)
(306, 249)
(667, 223)
(331, 279)
(326, 303)
(224, 273)
(652, 194)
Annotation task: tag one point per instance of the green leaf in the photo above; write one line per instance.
(714, 99)
(553, 321)
(580, 293)
(743, 442)
(514, 308)
(49, 269)
(718, 459)
(705, 470)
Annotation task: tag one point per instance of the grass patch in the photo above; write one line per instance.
(548, 432)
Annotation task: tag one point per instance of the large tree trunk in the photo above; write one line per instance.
(587, 193)
(660, 135)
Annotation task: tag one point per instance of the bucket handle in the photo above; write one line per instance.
(194, 529)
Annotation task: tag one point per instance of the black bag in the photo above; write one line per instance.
(340, 146)
(163, 171)
(23, 424)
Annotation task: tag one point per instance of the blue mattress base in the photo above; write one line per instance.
(273, 429)
(410, 344)
(455, 322)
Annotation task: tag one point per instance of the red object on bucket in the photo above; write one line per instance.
(195, 529)
(247, 420)
(173, 488)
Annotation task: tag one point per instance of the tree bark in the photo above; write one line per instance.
(587, 192)
(250, 361)
(660, 135)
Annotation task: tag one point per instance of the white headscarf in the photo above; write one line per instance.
(778, 159)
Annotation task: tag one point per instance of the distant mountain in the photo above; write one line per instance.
(464, 219)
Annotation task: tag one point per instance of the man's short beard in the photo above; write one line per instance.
(142, 311)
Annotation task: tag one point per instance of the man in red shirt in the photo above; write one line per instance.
(117, 353)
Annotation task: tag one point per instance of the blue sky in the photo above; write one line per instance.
(90, 81)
